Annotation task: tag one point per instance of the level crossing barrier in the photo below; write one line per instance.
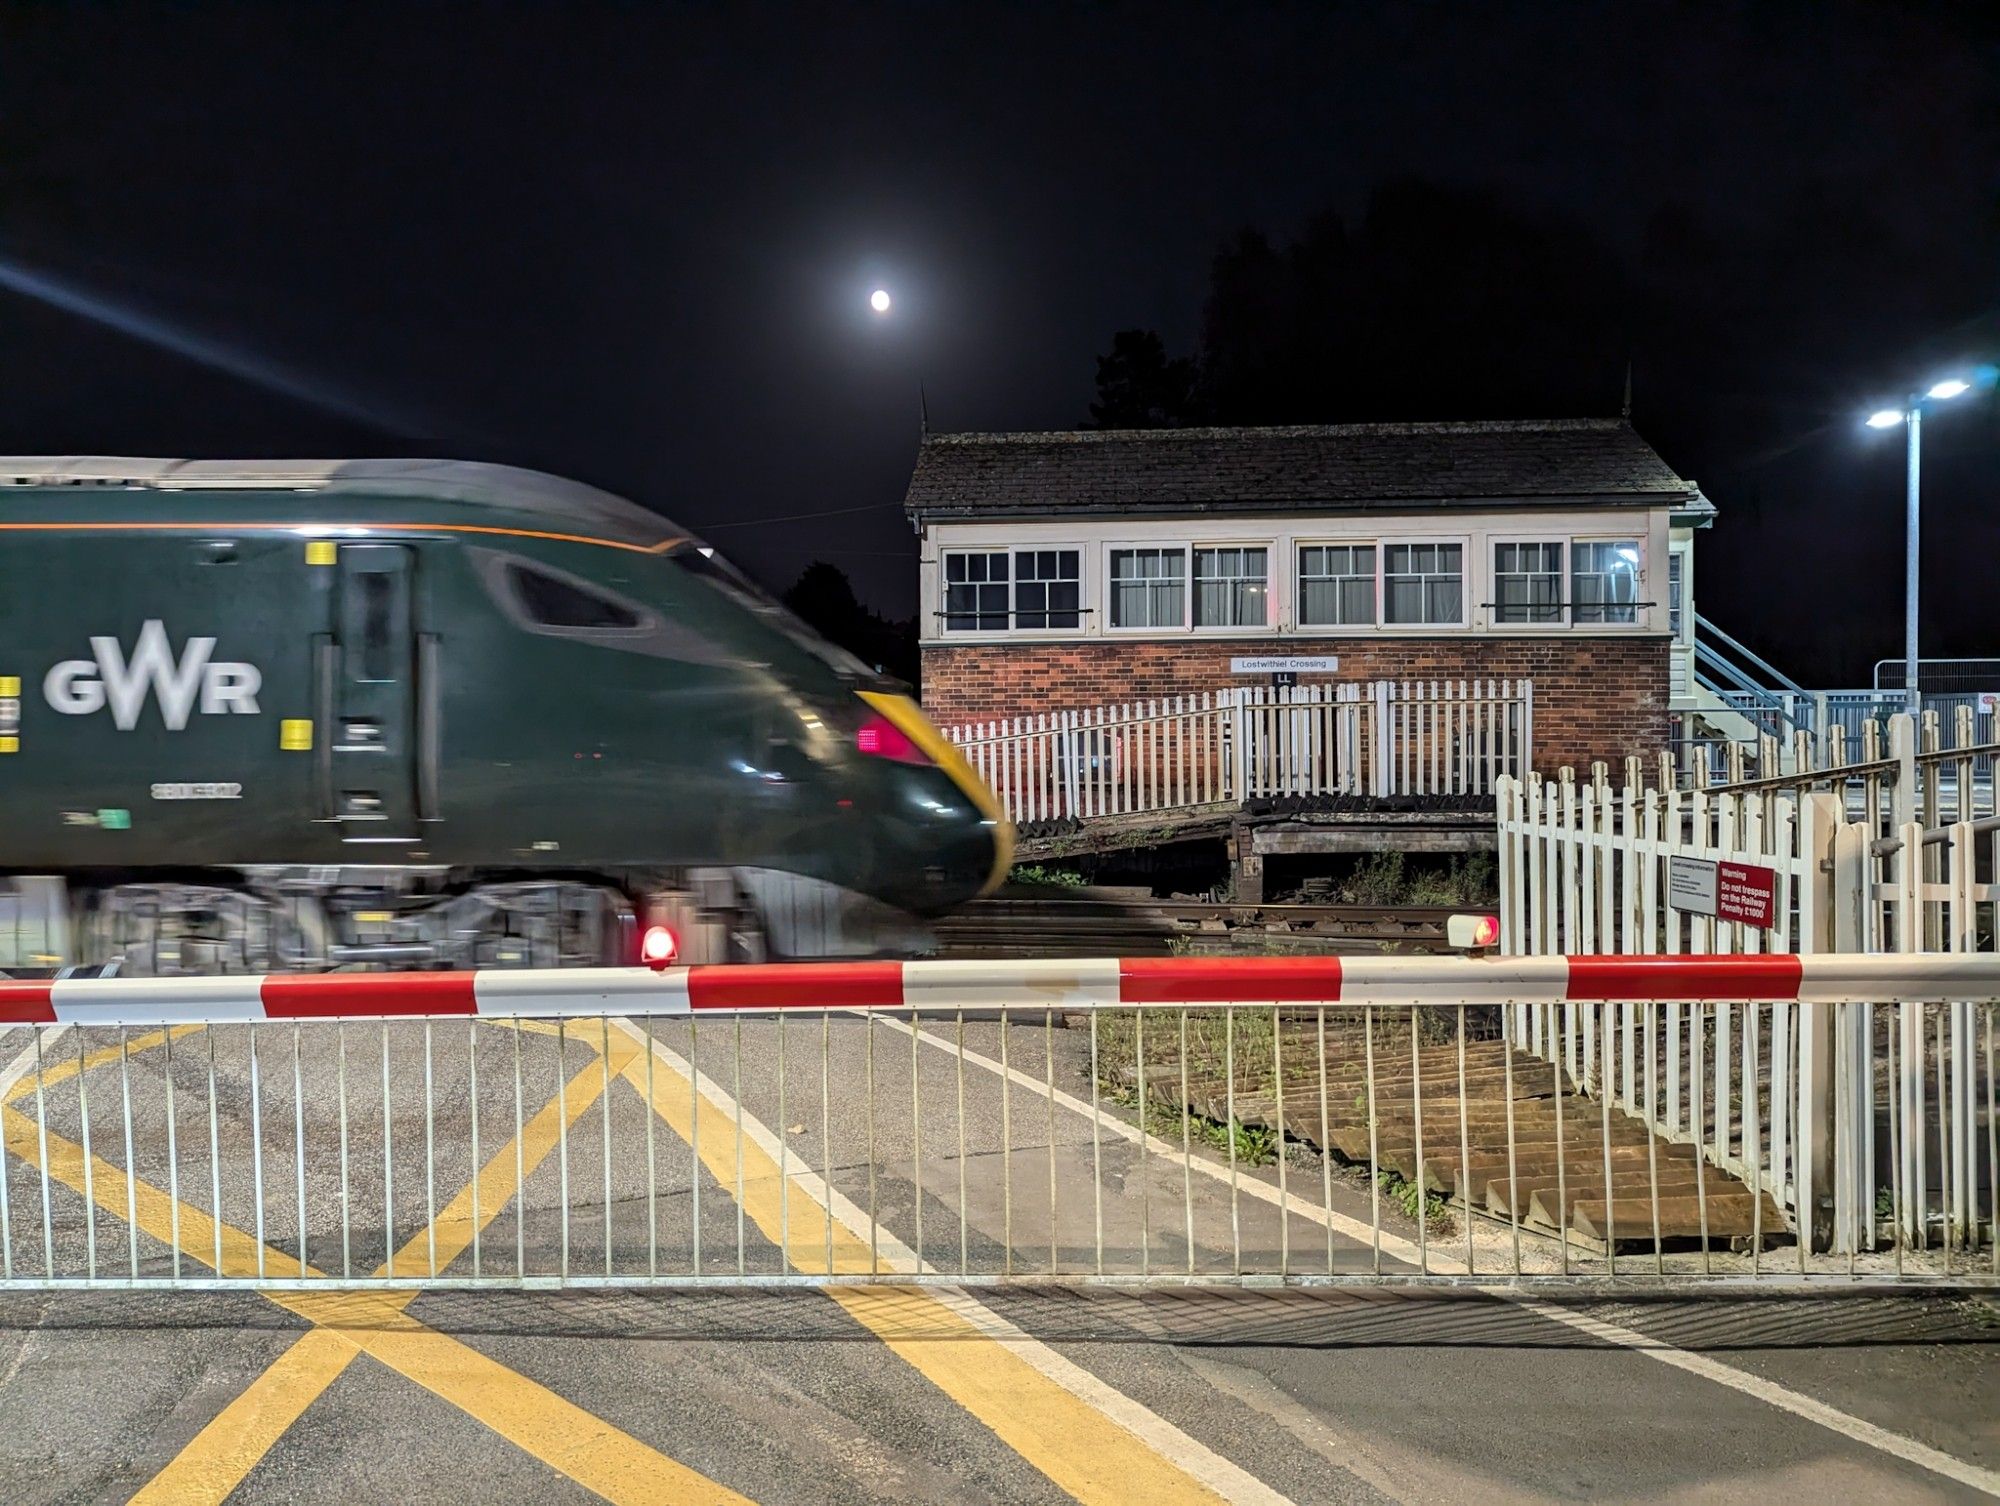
(1173, 1120)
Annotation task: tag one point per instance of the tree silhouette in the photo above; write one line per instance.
(1140, 387)
(1442, 302)
(1751, 359)
(824, 599)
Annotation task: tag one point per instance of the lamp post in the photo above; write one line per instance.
(1911, 417)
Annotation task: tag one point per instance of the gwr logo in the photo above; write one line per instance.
(77, 687)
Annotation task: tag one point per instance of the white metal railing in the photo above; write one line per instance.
(624, 1127)
(1892, 770)
(1223, 747)
(1940, 676)
(1812, 729)
(1886, 855)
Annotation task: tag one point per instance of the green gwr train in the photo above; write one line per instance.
(273, 714)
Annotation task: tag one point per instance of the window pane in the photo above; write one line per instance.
(557, 603)
(1405, 598)
(376, 589)
(1423, 584)
(1147, 588)
(1527, 582)
(1046, 593)
(1605, 585)
(1230, 588)
(975, 593)
(1337, 585)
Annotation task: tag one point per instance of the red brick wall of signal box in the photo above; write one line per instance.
(1593, 697)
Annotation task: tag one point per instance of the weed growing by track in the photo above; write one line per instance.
(1256, 1144)
(1438, 1217)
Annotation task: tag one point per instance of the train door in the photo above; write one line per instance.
(375, 738)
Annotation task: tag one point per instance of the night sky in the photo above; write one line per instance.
(633, 244)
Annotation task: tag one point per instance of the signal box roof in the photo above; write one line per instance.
(1306, 468)
(306, 492)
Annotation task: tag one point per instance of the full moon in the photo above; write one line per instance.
(879, 301)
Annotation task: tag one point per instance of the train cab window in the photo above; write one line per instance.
(550, 601)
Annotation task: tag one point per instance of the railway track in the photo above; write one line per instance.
(1110, 922)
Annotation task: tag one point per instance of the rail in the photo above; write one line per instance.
(1103, 1120)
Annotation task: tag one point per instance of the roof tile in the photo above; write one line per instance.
(1308, 468)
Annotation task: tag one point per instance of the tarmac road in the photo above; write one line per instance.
(745, 1391)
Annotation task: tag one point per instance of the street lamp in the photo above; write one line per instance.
(1911, 416)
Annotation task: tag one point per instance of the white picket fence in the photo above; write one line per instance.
(1812, 1105)
(1222, 747)
(1584, 868)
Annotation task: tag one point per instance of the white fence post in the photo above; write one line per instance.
(1071, 747)
(1816, 1125)
(1525, 759)
(1239, 744)
(1853, 1050)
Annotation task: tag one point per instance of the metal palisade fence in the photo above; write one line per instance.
(1173, 1120)
(1223, 747)
(1866, 1125)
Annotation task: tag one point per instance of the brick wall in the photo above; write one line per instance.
(1594, 697)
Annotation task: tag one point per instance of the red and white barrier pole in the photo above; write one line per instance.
(1108, 983)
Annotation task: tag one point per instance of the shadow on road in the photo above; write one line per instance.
(1307, 1320)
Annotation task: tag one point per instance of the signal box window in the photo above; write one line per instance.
(550, 601)
(1604, 584)
(1424, 584)
(975, 592)
(1337, 585)
(1048, 588)
(1527, 582)
(1230, 588)
(1148, 588)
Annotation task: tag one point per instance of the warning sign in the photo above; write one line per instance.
(1746, 893)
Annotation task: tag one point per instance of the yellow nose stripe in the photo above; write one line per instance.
(913, 724)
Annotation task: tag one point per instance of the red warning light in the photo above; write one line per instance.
(658, 947)
(1472, 933)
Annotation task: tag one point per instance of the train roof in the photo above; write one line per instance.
(300, 493)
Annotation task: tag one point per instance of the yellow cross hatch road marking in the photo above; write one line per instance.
(1079, 1448)
(62, 1071)
(1099, 1452)
(590, 1451)
(236, 1438)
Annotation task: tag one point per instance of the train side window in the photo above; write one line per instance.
(377, 603)
(550, 601)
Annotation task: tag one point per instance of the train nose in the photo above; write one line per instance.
(993, 829)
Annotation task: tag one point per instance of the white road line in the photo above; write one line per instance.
(23, 1064)
(1394, 1246)
(1196, 1459)
(1412, 1474)
(1797, 1403)
(1782, 1397)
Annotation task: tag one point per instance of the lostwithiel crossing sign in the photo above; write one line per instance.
(1284, 664)
(1743, 892)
